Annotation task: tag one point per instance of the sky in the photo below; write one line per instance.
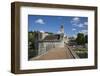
(47, 23)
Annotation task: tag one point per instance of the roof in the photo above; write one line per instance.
(52, 37)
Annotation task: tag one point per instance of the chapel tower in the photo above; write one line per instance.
(62, 29)
(61, 32)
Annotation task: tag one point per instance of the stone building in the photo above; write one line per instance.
(45, 41)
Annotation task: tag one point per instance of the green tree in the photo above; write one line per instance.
(86, 38)
(32, 52)
(80, 39)
(31, 40)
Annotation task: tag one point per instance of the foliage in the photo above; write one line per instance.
(31, 40)
(80, 39)
(82, 54)
(80, 49)
(32, 52)
(86, 38)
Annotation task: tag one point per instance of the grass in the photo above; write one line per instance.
(80, 49)
(81, 52)
(82, 55)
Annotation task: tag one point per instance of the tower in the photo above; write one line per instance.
(62, 29)
(61, 32)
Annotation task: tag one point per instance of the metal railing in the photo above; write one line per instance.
(72, 52)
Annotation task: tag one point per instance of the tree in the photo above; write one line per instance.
(86, 38)
(80, 39)
(32, 52)
(31, 39)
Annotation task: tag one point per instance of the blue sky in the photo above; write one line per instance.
(72, 24)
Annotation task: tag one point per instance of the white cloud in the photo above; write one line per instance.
(80, 25)
(42, 31)
(40, 21)
(77, 23)
(84, 31)
(75, 20)
(73, 29)
(58, 32)
(85, 23)
(32, 30)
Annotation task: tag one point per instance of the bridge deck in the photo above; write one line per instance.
(56, 53)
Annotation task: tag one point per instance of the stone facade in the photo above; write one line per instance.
(45, 41)
(45, 46)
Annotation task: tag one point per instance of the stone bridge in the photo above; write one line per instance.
(57, 53)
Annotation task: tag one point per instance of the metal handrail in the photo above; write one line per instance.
(72, 52)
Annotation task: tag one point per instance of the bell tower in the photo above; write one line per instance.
(62, 29)
(62, 32)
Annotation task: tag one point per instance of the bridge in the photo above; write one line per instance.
(65, 52)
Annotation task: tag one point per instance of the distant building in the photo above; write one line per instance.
(46, 41)
(72, 41)
(66, 39)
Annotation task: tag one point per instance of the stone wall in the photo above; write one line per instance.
(46, 46)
